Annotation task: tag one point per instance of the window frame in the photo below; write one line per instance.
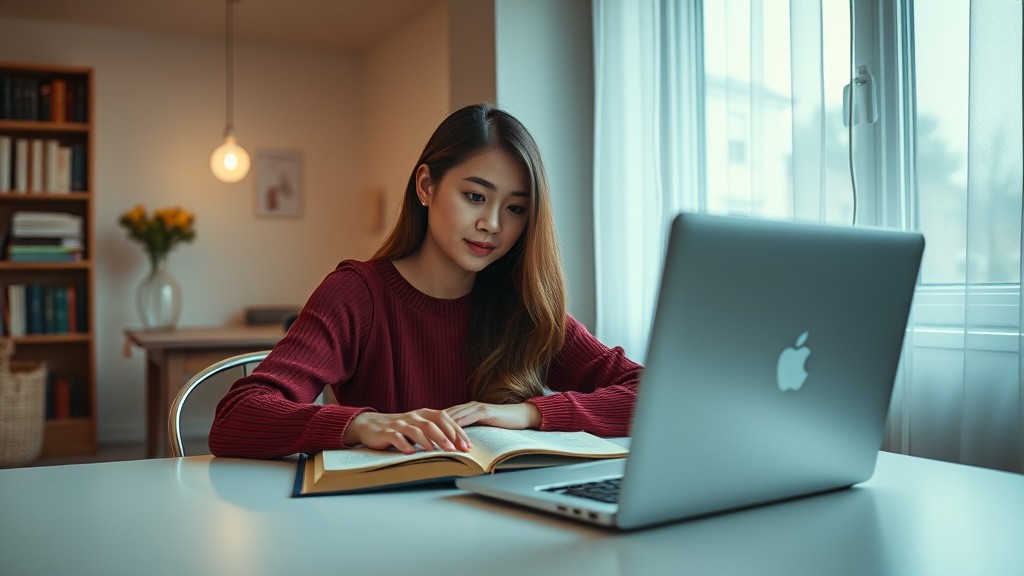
(944, 314)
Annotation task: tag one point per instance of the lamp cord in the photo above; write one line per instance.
(229, 65)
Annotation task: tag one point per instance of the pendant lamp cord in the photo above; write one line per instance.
(229, 56)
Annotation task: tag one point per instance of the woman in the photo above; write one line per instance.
(458, 319)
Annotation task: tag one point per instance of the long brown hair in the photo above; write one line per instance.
(518, 302)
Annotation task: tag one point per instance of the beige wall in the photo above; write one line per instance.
(360, 119)
(406, 88)
(159, 107)
(545, 76)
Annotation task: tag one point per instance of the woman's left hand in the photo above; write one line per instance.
(511, 416)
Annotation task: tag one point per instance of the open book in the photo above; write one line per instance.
(494, 449)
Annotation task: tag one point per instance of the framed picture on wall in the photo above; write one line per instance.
(279, 186)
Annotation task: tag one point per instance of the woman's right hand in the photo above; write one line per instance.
(425, 427)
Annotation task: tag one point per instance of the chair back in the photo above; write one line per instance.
(243, 362)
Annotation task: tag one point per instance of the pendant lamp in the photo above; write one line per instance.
(229, 162)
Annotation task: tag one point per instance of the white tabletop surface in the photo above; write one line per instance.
(204, 515)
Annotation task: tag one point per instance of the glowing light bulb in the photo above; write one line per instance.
(229, 162)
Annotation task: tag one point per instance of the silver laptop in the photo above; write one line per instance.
(770, 368)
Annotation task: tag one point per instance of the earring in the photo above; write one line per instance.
(424, 202)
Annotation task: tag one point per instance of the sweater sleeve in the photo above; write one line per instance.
(271, 413)
(594, 387)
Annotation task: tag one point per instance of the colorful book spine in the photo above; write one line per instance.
(59, 103)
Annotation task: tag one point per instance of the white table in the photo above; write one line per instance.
(204, 515)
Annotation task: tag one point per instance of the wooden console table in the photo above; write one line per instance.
(173, 356)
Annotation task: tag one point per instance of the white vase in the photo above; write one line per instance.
(158, 297)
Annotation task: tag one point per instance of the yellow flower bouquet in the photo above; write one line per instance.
(160, 232)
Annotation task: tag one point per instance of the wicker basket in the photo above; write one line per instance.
(22, 408)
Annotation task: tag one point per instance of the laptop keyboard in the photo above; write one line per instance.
(601, 490)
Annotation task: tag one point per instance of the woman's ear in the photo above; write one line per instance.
(424, 184)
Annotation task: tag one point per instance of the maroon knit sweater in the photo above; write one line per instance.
(382, 345)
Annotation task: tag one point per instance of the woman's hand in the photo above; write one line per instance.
(512, 416)
(425, 427)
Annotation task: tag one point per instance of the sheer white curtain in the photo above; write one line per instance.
(735, 107)
(644, 64)
(718, 108)
(960, 396)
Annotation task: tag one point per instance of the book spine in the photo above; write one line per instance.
(45, 101)
(79, 398)
(16, 309)
(81, 108)
(59, 104)
(31, 99)
(81, 311)
(63, 169)
(35, 163)
(34, 308)
(21, 165)
(78, 183)
(24, 99)
(6, 158)
(49, 310)
(50, 165)
(60, 309)
(6, 98)
(61, 398)
(71, 308)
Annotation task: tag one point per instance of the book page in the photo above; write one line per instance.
(363, 459)
(491, 445)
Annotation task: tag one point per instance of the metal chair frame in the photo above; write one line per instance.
(174, 417)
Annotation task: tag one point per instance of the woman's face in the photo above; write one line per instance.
(477, 211)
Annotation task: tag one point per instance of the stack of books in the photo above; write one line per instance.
(45, 237)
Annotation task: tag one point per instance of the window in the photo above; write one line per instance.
(967, 157)
(736, 107)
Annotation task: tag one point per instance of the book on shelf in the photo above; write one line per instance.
(78, 176)
(56, 99)
(51, 148)
(20, 253)
(20, 182)
(45, 101)
(23, 102)
(65, 397)
(494, 449)
(44, 237)
(6, 97)
(15, 310)
(58, 108)
(62, 178)
(73, 310)
(61, 397)
(6, 162)
(36, 309)
(35, 164)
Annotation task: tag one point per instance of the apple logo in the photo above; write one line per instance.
(790, 372)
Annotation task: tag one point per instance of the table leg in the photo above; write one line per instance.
(174, 379)
(153, 395)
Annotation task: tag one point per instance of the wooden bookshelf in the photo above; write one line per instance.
(62, 113)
